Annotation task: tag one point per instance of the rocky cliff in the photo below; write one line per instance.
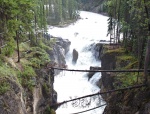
(27, 88)
(136, 101)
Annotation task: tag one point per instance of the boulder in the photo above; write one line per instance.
(75, 56)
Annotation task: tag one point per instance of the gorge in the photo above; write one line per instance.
(84, 35)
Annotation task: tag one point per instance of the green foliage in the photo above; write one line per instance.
(62, 10)
(127, 79)
(49, 111)
(8, 50)
(127, 61)
(4, 86)
(44, 46)
(132, 65)
(20, 18)
(118, 50)
(35, 62)
(24, 46)
(26, 77)
(6, 70)
(132, 21)
(46, 88)
(126, 58)
(38, 57)
(28, 72)
(1, 59)
(124, 62)
(30, 84)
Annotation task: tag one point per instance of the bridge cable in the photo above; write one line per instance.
(99, 93)
(132, 70)
(89, 109)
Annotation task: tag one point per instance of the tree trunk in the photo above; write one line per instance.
(18, 51)
(35, 19)
(0, 44)
(147, 60)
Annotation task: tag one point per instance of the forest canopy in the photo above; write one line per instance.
(21, 19)
(129, 19)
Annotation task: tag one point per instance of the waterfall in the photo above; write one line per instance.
(83, 34)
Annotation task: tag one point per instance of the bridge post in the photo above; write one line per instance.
(147, 60)
(51, 82)
(52, 75)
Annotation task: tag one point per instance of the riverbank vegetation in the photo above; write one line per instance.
(24, 47)
(24, 23)
(128, 23)
(128, 26)
(23, 44)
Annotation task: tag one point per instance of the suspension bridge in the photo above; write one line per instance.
(52, 69)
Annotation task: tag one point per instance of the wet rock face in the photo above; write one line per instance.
(135, 101)
(44, 93)
(18, 100)
(75, 56)
(64, 43)
(98, 50)
(59, 50)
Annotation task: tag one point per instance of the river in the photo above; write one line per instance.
(88, 30)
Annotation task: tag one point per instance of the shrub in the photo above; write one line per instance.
(26, 77)
(38, 57)
(4, 86)
(8, 50)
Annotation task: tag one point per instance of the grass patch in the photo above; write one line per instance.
(46, 88)
(8, 50)
(6, 70)
(4, 86)
(49, 111)
(31, 58)
(38, 57)
(118, 50)
(49, 43)
(44, 46)
(24, 46)
(127, 61)
(26, 77)
(132, 65)
(127, 79)
(125, 58)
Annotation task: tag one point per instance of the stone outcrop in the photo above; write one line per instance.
(74, 56)
(98, 50)
(134, 101)
(57, 54)
(36, 96)
(21, 100)
(12, 101)
(64, 43)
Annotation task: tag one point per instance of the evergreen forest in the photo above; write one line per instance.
(21, 20)
(129, 20)
(26, 46)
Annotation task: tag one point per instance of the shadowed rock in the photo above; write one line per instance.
(90, 74)
(75, 56)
